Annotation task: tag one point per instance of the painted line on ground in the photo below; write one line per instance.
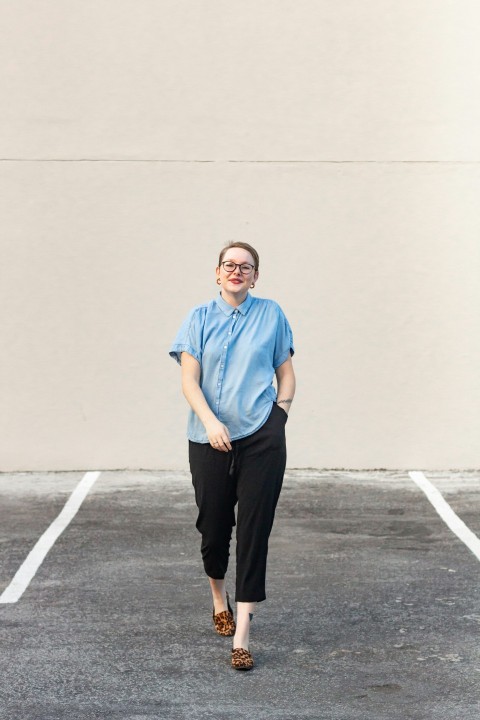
(450, 518)
(37, 554)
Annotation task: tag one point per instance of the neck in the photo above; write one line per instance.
(233, 300)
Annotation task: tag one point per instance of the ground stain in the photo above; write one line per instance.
(385, 688)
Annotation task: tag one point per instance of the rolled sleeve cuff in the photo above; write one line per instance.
(280, 359)
(176, 352)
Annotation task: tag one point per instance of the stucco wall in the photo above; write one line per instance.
(341, 139)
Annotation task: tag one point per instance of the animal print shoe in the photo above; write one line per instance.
(241, 659)
(224, 622)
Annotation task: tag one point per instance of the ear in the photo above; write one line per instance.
(255, 276)
(217, 272)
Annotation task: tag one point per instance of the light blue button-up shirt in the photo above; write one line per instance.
(238, 350)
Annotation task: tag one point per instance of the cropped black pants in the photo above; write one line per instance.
(251, 474)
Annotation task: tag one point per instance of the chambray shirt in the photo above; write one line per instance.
(238, 350)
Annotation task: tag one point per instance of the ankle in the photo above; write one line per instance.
(219, 606)
(219, 602)
(240, 642)
(219, 595)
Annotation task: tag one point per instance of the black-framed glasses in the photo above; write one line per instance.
(245, 268)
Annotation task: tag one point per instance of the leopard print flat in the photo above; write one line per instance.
(224, 622)
(241, 659)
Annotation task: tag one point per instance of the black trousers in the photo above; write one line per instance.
(251, 474)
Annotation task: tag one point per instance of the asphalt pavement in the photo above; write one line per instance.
(372, 610)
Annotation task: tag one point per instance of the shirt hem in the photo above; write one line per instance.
(240, 437)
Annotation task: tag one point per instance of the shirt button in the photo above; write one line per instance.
(224, 347)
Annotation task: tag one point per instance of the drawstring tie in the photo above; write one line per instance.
(231, 469)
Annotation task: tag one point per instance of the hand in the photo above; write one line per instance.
(285, 404)
(218, 435)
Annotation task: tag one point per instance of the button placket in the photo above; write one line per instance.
(223, 358)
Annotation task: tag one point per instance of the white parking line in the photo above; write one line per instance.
(450, 518)
(36, 556)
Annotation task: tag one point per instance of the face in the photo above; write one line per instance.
(235, 284)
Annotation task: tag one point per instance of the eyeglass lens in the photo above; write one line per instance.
(245, 268)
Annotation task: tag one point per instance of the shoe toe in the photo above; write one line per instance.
(242, 659)
(224, 623)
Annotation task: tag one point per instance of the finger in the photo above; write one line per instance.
(226, 438)
(223, 444)
(218, 445)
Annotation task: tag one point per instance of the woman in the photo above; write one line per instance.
(229, 350)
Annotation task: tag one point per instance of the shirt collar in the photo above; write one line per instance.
(229, 309)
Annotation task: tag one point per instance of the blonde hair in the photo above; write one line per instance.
(244, 246)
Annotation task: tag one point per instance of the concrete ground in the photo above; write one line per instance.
(373, 608)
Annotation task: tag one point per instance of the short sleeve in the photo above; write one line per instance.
(283, 341)
(189, 337)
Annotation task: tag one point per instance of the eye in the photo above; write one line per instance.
(245, 268)
(229, 266)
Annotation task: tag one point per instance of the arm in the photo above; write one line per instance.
(285, 384)
(218, 435)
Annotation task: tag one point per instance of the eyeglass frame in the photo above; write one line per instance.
(239, 265)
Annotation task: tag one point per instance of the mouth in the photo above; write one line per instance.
(236, 281)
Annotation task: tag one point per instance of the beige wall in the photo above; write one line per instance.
(341, 139)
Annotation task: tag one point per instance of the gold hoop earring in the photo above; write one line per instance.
(219, 282)
(252, 285)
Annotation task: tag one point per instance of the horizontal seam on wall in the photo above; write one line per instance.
(313, 162)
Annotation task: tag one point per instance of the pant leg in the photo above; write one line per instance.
(215, 496)
(260, 470)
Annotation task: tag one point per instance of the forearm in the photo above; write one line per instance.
(286, 391)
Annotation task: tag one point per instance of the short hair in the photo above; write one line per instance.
(244, 246)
